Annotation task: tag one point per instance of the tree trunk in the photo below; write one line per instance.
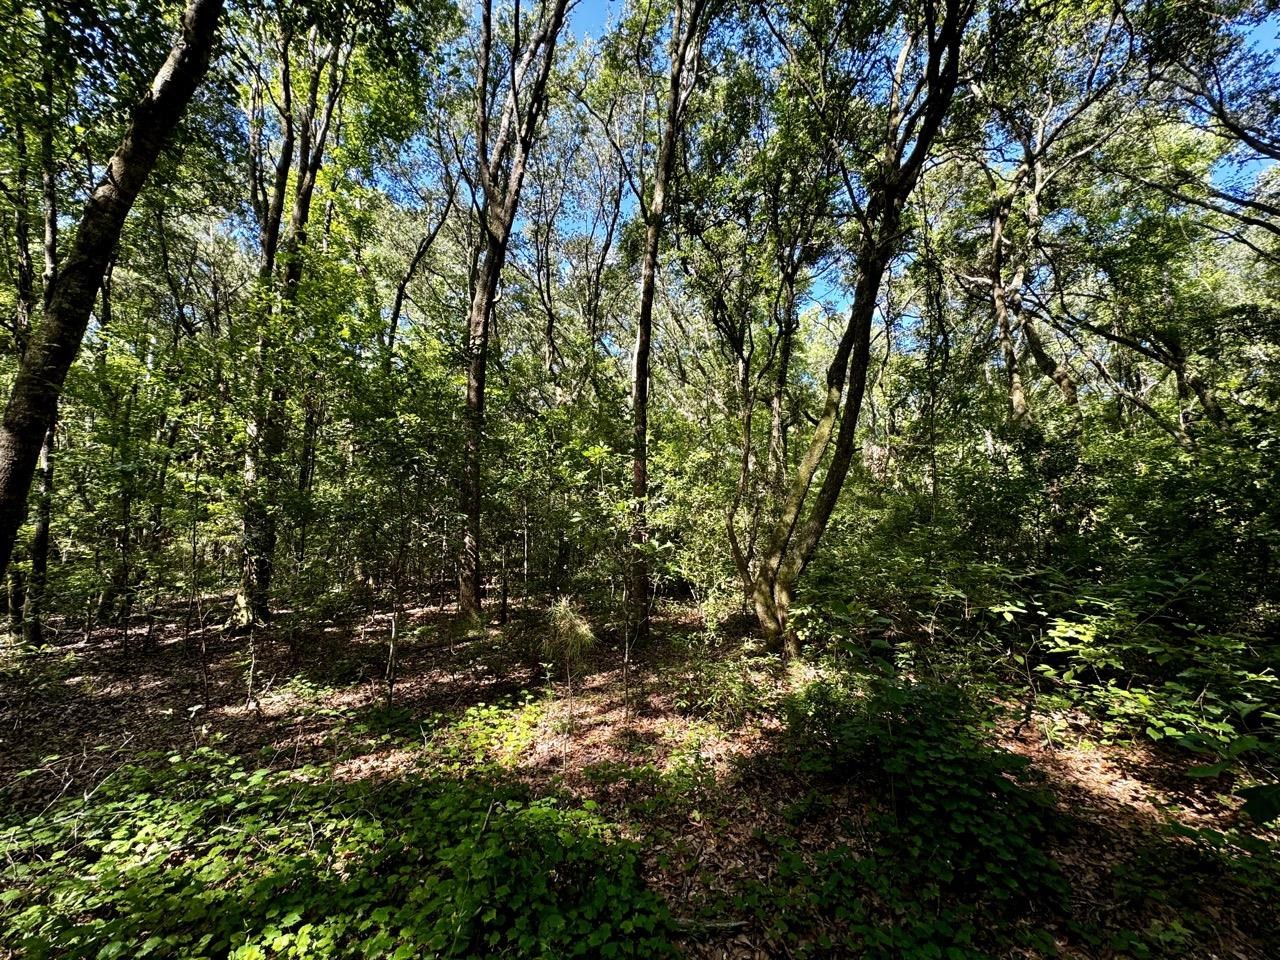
(307, 469)
(24, 268)
(33, 399)
(791, 544)
(510, 153)
(686, 49)
(1019, 412)
(17, 593)
(33, 613)
(470, 585)
(742, 557)
(787, 323)
(1052, 369)
(261, 487)
(638, 586)
(263, 471)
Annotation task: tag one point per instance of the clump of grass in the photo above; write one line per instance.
(568, 637)
(567, 641)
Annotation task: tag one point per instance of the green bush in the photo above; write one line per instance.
(202, 858)
(729, 690)
(959, 833)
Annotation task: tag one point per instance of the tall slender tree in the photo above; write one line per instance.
(305, 99)
(505, 128)
(31, 409)
(689, 28)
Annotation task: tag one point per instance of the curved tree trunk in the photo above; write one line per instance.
(909, 138)
(34, 397)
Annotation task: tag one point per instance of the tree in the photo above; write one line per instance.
(504, 137)
(1045, 122)
(688, 29)
(313, 62)
(30, 411)
(919, 89)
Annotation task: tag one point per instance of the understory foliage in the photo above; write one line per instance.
(1148, 600)
(961, 837)
(200, 856)
(863, 397)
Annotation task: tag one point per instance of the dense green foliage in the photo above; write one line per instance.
(201, 857)
(962, 838)
(958, 444)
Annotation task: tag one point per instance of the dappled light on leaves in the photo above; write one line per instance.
(785, 478)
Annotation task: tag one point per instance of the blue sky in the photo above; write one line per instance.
(589, 17)
(1263, 36)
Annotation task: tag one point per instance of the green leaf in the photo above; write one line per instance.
(1210, 770)
(1261, 803)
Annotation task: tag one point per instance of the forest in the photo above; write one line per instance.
(640, 478)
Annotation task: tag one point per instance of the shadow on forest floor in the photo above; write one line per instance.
(818, 820)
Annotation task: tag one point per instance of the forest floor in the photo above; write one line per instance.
(707, 786)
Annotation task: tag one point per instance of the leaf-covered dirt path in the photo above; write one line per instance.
(721, 809)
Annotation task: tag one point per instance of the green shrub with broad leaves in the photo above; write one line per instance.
(961, 835)
(202, 858)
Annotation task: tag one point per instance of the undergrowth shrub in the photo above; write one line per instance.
(1127, 577)
(486, 733)
(201, 858)
(1170, 893)
(1138, 666)
(728, 690)
(568, 638)
(959, 832)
